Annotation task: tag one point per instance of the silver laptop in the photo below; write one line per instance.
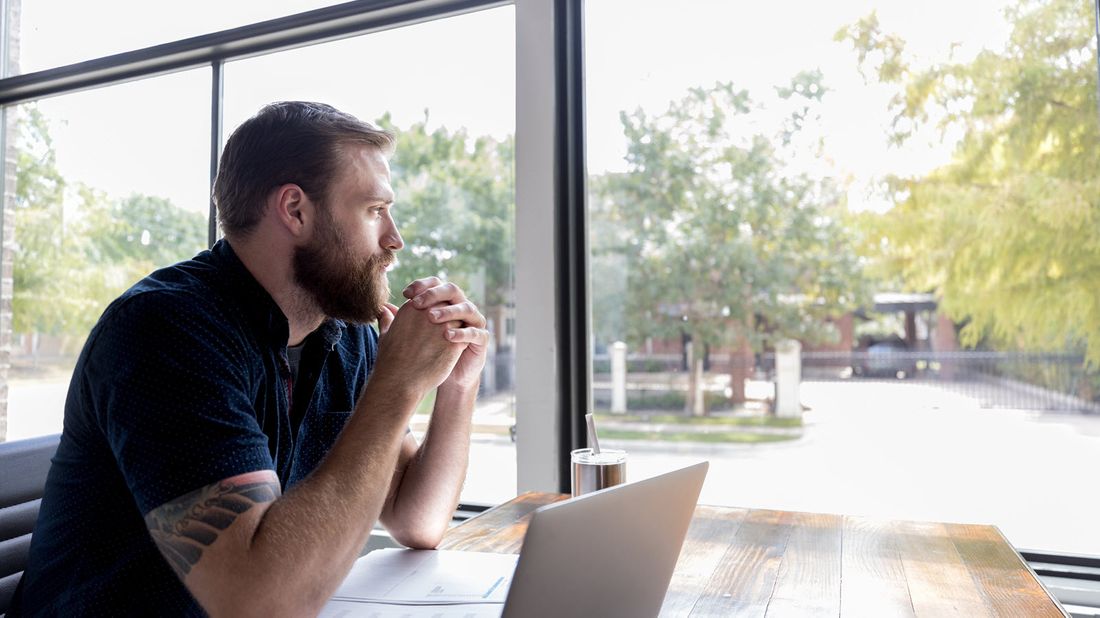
(608, 553)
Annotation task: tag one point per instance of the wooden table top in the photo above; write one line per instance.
(755, 562)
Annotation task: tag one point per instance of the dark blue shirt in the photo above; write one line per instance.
(183, 382)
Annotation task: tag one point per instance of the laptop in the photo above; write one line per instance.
(608, 553)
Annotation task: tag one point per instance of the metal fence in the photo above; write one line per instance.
(1023, 380)
(1031, 381)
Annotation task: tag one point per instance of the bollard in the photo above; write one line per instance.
(618, 377)
(788, 376)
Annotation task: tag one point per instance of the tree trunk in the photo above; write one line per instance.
(742, 364)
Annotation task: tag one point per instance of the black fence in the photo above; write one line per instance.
(1029, 381)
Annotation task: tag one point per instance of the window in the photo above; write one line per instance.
(108, 184)
(144, 147)
(896, 199)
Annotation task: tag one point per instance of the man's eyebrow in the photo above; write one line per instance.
(379, 198)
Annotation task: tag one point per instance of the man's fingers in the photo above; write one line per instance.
(470, 335)
(389, 310)
(418, 286)
(465, 312)
(446, 292)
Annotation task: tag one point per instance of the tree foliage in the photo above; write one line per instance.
(75, 250)
(1006, 233)
(455, 209)
(720, 233)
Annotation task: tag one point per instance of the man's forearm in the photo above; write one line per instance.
(339, 503)
(349, 487)
(429, 489)
(305, 542)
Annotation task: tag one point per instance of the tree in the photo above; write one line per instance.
(1005, 233)
(47, 264)
(146, 229)
(455, 208)
(75, 249)
(727, 238)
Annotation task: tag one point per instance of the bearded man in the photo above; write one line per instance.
(235, 427)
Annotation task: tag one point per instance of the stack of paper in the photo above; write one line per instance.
(406, 582)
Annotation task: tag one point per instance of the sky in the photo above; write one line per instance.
(152, 136)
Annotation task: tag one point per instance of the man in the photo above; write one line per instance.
(234, 428)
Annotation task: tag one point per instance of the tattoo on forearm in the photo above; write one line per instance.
(184, 527)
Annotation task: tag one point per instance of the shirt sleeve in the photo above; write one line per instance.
(170, 379)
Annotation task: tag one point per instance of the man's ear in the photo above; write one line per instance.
(292, 208)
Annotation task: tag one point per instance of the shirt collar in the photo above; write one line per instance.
(260, 308)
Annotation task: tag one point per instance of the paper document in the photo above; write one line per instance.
(359, 609)
(428, 577)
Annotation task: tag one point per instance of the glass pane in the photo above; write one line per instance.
(96, 29)
(105, 189)
(846, 252)
(454, 116)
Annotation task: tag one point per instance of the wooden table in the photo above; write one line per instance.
(754, 562)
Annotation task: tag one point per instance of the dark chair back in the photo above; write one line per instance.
(23, 468)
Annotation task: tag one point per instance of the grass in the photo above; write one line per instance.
(715, 429)
(722, 437)
(677, 419)
(674, 400)
(719, 429)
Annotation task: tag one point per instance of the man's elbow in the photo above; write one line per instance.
(419, 537)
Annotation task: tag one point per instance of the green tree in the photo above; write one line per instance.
(75, 249)
(455, 208)
(725, 239)
(149, 230)
(1006, 233)
(46, 261)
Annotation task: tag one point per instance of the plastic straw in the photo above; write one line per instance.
(593, 439)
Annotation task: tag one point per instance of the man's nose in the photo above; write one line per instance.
(392, 239)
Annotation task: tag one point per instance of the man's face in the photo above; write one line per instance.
(343, 267)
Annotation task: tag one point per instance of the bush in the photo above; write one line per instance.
(667, 400)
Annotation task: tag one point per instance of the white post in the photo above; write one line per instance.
(618, 377)
(689, 402)
(698, 402)
(489, 371)
(788, 376)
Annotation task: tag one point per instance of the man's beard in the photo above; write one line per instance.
(343, 289)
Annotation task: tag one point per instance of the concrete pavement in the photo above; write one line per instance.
(891, 450)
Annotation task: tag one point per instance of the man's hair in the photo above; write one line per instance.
(287, 142)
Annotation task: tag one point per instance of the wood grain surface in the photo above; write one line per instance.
(757, 562)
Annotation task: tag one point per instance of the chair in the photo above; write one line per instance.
(23, 468)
